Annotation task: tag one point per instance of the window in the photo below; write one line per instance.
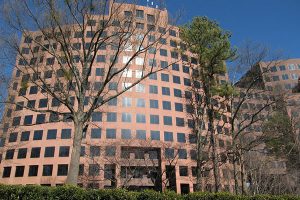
(111, 117)
(294, 76)
(101, 58)
(168, 120)
(165, 77)
(65, 133)
(153, 89)
(9, 154)
(140, 103)
(275, 78)
(187, 82)
(166, 91)
(166, 105)
(126, 134)
(181, 137)
(40, 118)
(35, 152)
(110, 133)
(89, 34)
(179, 121)
(140, 14)
(19, 171)
(172, 32)
(94, 151)
(25, 136)
(99, 71)
(282, 68)
(33, 90)
(168, 136)
(140, 118)
(19, 106)
(16, 121)
(154, 119)
(153, 103)
(285, 76)
(176, 79)
(164, 64)
(141, 134)
(126, 101)
(155, 135)
(22, 153)
(182, 154)
(13, 137)
(174, 54)
(179, 107)
(53, 117)
(43, 103)
(177, 93)
(62, 170)
(47, 170)
(183, 171)
(169, 153)
(140, 88)
(139, 61)
(292, 67)
(127, 86)
(82, 151)
(163, 52)
(113, 86)
(33, 170)
(6, 172)
(51, 134)
(152, 50)
(186, 69)
(175, 67)
(55, 102)
(38, 135)
(96, 133)
(126, 117)
(110, 151)
(113, 102)
(126, 59)
(49, 152)
(273, 69)
(140, 25)
(64, 151)
(94, 169)
(96, 116)
(152, 62)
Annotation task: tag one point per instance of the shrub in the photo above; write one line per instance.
(33, 192)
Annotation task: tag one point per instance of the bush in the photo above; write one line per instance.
(17, 192)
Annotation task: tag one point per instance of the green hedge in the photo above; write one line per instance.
(9, 192)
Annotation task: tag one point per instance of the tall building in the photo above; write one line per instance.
(131, 140)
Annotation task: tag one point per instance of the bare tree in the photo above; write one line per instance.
(63, 41)
(247, 113)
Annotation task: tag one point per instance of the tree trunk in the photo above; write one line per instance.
(75, 155)
(199, 158)
(242, 173)
(235, 174)
(214, 150)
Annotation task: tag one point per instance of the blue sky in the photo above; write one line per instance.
(274, 23)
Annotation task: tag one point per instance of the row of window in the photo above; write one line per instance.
(283, 67)
(96, 133)
(64, 151)
(283, 77)
(101, 71)
(47, 170)
(94, 170)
